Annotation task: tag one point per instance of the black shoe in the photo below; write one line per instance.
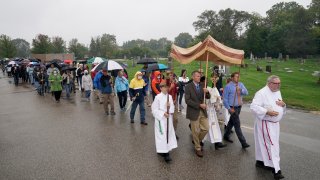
(244, 146)
(161, 154)
(132, 121)
(260, 164)
(144, 123)
(167, 158)
(107, 113)
(228, 139)
(219, 145)
(278, 175)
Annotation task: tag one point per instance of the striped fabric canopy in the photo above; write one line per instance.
(217, 53)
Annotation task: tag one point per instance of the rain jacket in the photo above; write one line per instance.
(137, 88)
(55, 82)
(155, 83)
(121, 84)
(105, 84)
(96, 80)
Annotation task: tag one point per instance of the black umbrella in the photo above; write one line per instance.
(66, 68)
(147, 61)
(55, 65)
(58, 61)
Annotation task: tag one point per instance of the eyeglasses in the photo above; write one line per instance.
(276, 83)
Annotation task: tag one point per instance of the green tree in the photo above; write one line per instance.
(58, 45)
(290, 30)
(108, 45)
(77, 48)
(226, 26)
(7, 48)
(256, 36)
(22, 47)
(315, 30)
(41, 44)
(183, 40)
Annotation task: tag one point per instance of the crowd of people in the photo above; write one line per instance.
(206, 105)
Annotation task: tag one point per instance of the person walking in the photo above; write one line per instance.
(162, 111)
(155, 83)
(15, 72)
(97, 86)
(87, 84)
(232, 100)
(67, 82)
(137, 93)
(79, 76)
(196, 111)
(49, 73)
(121, 88)
(146, 79)
(183, 80)
(268, 108)
(106, 92)
(55, 80)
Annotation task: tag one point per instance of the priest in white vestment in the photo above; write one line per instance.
(159, 111)
(268, 109)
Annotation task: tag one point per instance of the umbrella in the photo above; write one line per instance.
(96, 60)
(34, 63)
(66, 68)
(35, 60)
(82, 61)
(55, 65)
(13, 62)
(154, 67)
(147, 61)
(25, 61)
(68, 61)
(108, 65)
(58, 61)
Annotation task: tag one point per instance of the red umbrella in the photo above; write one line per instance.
(68, 61)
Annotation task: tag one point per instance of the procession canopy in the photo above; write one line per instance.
(217, 53)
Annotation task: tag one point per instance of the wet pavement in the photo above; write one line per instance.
(74, 139)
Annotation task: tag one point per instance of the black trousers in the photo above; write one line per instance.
(180, 96)
(57, 95)
(122, 98)
(235, 122)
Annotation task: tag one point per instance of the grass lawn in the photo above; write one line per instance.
(298, 88)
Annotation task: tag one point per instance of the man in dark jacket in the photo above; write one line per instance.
(15, 72)
(106, 92)
(196, 111)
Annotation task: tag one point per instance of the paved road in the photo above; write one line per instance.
(41, 139)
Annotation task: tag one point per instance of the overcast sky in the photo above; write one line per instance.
(127, 19)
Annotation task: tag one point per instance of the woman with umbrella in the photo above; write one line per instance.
(55, 80)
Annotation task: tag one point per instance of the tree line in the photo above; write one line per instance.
(288, 28)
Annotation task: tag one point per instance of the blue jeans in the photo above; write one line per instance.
(141, 107)
(67, 87)
(31, 78)
(88, 92)
(36, 84)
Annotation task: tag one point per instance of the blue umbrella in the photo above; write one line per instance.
(154, 67)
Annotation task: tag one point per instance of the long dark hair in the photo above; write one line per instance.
(182, 71)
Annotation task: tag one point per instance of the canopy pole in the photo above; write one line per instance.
(206, 77)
